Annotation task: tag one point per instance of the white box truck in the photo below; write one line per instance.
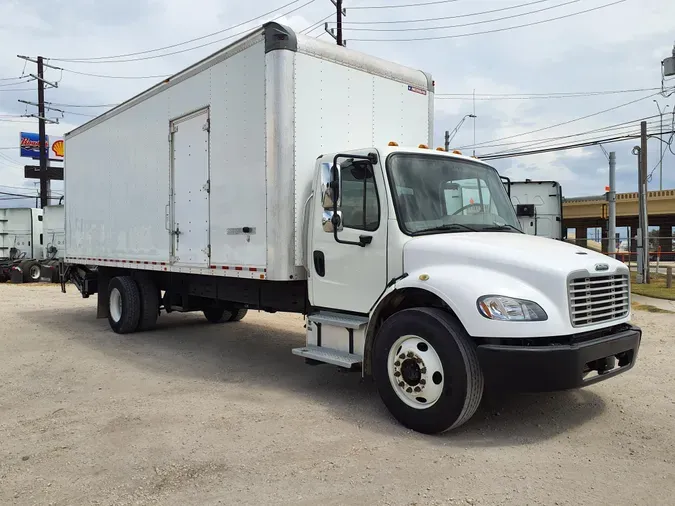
(20, 244)
(267, 177)
(54, 241)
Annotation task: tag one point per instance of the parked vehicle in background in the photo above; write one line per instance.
(539, 207)
(20, 244)
(54, 240)
(269, 176)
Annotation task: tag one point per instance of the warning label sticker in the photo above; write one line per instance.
(417, 90)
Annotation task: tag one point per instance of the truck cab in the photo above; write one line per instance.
(419, 271)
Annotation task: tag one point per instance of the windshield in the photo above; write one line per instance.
(440, 194)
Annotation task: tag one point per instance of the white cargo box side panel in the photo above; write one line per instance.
(118, 168)
(345, 100)
(544, 200)
(54, 232)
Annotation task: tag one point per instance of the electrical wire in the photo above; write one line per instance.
(124, 60)
(535, 96)
(18, 89)
(563, 147)
(617, 126)
(29, 79)
(495, 30)
(316, 25)
(12, 78)
(419, 4)
(178, 44)
(441, 18)
(473, 23)
(162, 76)
(80, 105)
(563, 123)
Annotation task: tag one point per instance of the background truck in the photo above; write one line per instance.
(268, 176)
(54, 241)
(539, 207)
(20, 244)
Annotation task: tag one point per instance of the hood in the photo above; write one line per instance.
(506, 249)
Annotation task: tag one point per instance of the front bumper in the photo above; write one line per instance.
(560, 363)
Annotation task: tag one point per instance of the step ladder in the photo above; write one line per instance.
(334, 338)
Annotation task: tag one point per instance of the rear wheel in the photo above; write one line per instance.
(124, 309)
(149, 296)
(34, 272)
(220, 314)
(426, 370)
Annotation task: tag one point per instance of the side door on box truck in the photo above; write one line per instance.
(345, 275)
(188, 221)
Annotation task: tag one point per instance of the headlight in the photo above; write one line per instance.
(498, 307)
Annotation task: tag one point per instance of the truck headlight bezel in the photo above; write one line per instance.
(510, 309)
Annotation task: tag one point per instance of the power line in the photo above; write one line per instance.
(316, 25)
(28, 79)
(124, 55)
(496, 30)
(18, 89)
(12, 78)
(420, 4)
(163, 76)
(124, 60)
(567, 146)
(81, 105)
(441, 18)
(535, 96)
(527, 143)
(473, 23)
(563, 123)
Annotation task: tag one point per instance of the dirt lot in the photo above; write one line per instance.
(198, 414)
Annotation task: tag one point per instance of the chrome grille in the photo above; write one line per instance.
(597, 299)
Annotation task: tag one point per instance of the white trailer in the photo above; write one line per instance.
(268, 177)
(20, 243)
(539, 207)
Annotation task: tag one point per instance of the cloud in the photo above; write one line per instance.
(602, 50)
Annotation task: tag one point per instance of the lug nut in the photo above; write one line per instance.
(397, 374)
(401, 356)
(418, 389)
(423, 370)
(409, 390)
(397, 363)
(411, 354)
(423, 382)
(401, 384)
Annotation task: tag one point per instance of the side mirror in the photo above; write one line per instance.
(331, 185)
(329, 221)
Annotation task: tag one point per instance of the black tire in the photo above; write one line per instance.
(463, 383)
(34, 272)
(217, 314)
(149, 294)
(130, 312)
(238, 314)
(27, 267)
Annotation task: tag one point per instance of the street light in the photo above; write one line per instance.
(451, 135)
(662, 150)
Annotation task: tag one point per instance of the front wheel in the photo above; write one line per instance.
(426, 370)
(124, 310)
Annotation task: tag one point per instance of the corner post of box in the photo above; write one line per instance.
(280, 49)
(431, 90)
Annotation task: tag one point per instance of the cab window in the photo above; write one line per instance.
(360, 206)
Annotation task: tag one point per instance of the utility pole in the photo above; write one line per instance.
(44, 182)
(611, 198)
(340, 13)
(645, 217)
(45, 179)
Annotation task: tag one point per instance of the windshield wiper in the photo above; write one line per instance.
(447, 227)
(505, 226)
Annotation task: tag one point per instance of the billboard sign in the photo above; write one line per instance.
(29, 143)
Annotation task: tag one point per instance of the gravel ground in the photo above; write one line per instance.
(199, 414)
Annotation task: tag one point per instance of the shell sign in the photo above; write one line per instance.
(58, 148)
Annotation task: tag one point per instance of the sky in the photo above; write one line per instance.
(517, 73)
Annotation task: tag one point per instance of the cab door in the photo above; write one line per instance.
(349, 273)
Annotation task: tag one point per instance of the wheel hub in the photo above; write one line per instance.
(416, 372)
